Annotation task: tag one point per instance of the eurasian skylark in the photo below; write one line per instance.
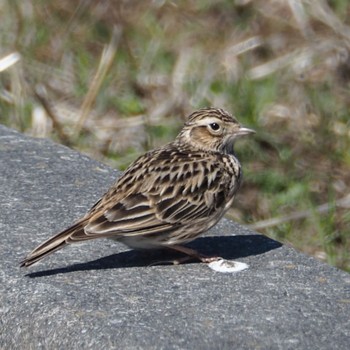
(168, 196)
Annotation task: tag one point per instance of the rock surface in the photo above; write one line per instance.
(100, 294)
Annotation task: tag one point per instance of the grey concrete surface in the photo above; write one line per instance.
(101, 295)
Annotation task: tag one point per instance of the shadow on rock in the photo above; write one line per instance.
(228, 247)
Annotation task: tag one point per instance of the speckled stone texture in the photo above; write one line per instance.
(101, 295)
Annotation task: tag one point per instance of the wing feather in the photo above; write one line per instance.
(174, 190)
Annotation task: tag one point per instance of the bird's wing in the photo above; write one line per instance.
(160, 192)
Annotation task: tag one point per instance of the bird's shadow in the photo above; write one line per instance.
(228, 247)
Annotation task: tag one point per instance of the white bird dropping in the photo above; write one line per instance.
(227, 266)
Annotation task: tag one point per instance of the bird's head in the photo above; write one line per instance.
(212, 129)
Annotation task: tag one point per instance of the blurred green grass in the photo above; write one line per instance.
(282, 68)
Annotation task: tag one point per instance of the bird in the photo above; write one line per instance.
(168, 196)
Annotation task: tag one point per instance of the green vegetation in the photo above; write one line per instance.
(113, 79)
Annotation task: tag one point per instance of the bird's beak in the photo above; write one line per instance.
(245, 131)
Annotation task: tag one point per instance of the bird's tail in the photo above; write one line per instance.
(54, 243)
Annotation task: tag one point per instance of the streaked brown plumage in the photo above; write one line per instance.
(169, 195)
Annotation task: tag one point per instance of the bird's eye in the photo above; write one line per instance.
(214, 126)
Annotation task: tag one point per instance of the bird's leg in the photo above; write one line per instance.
(191, 254)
